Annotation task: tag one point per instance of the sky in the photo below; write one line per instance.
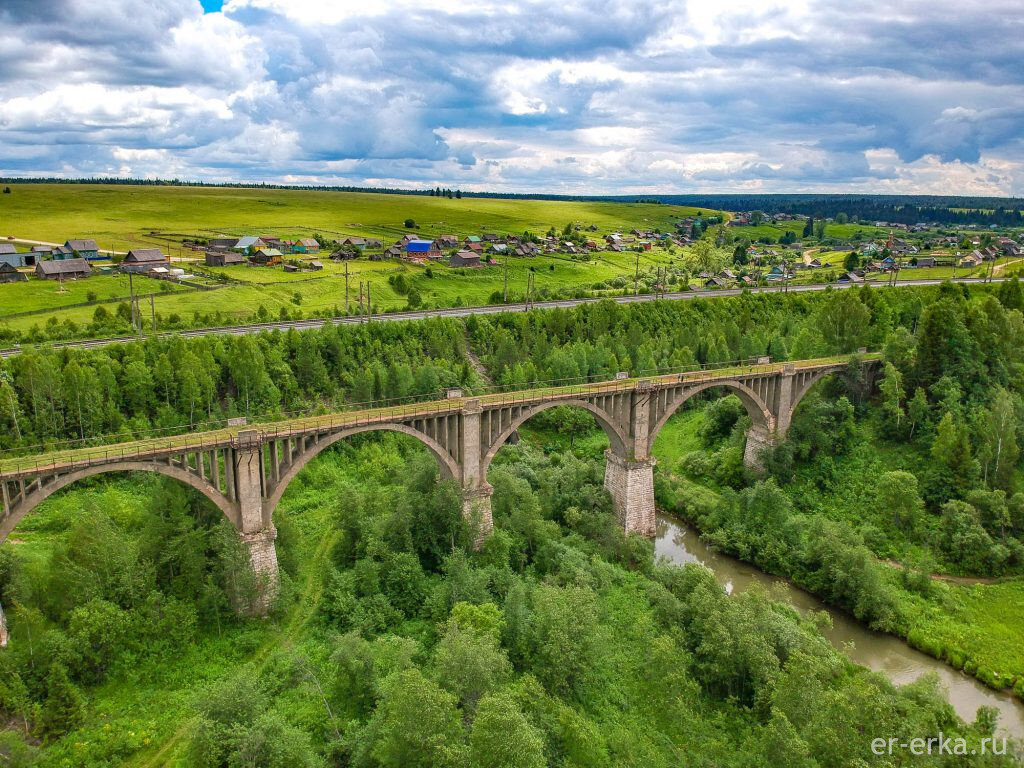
(546, 96)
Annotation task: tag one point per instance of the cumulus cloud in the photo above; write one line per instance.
(581, 96)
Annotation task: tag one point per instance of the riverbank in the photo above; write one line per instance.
(679, 542)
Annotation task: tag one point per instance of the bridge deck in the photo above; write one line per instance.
(154, 448)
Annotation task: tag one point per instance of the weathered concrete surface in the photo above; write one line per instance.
(631, 485)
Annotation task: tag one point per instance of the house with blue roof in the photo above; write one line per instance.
(422, 249)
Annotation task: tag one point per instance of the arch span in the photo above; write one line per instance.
(756, 408)
(615, 435)
(35, 498)
(449, 467)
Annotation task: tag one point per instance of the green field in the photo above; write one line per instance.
(122, 217)
(126, 217)
(37, 295)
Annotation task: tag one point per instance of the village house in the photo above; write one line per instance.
(850, 277)
(83, 249)
(445, 242)
(266, 257)
(248, 243)
(143, 260)
(9, 255)
(306, 245)
(226, 243)
(422, 249)
(490, 237)
(926, 261)
(715, 282)
(64, 269)
(499, 249)
(8, 274)
(971, 260)
(223, 258)
(464, 259)
(391, 252)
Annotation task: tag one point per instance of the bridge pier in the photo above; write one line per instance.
(759, 439)
(476, 508)
(630, 482)
(254, 522)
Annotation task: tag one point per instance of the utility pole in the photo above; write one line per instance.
(133, 310)
(360, 297)
(346, 286)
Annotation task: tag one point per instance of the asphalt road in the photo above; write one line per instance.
(483, 310)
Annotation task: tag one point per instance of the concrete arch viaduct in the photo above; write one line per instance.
(244, 471)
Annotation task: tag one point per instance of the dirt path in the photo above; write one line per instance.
(1005, 264)
(290, 627)
(474, 361)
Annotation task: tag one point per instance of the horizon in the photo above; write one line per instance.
(594, 98)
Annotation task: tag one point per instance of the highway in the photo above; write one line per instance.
(313, 323)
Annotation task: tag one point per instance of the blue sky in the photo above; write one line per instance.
(578, 96)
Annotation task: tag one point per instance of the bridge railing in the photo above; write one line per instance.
(382, 411)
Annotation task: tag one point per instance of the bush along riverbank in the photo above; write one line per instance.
(839, 499)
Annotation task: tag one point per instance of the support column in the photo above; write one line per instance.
(630, 482)
(256, 529)
(759, 439)
(476, 492)
(784, 402)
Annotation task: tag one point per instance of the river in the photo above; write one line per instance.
(883, 653)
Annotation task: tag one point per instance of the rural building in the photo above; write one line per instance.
(8, 274)
(499, 248)
(716, 282)
(143, 260)
(63, 269)
(926, 261)
(247, 243)
(83, 249)
(62, 252)
(464, 259)
(471, 240)
(306, 245)
(223, 258)
(392, 252)
(316, 266)
(971, 260)
(850, 277)
(266, 257)
(222, 242)
(9, 255)
(447, 241)
(422, 249)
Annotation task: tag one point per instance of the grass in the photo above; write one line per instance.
(123, 217)
(978, 629)
(42, 295)
(127, 217)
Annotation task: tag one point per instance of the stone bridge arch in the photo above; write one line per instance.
(758, 410)
(34, 496)
(286, 473)
(617, 436)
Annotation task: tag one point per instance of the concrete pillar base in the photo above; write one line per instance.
(476, 508)
(631, 485)
(263, 558)
(758, 441)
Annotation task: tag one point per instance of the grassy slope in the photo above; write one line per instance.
(123, 217)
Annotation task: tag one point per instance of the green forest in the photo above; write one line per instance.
(560, 641)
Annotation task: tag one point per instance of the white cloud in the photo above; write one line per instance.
(583, 96)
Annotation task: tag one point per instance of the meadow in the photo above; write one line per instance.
(123, 217)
